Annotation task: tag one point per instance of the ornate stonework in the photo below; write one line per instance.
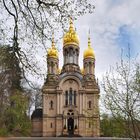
(71, 98)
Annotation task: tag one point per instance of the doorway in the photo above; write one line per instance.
(70, 126)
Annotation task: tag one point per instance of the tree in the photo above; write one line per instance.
(31, 23)
(111, 127)
(16, 120)
(34, 97)
(122, 98)
(13, 105)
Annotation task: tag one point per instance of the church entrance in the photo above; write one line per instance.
(70, 126)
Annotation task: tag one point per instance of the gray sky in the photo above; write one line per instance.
(113, 25)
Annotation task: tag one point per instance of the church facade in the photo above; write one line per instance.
(70, 95)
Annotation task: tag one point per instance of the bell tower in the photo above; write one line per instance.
(52, 59)
(89, 60)
(52, 65)
(71, 50)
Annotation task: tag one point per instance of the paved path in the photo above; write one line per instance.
(63, 138)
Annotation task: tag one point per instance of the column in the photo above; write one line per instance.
(66, 124)
(49, 69)
(71, 56)
(68, 97)
(75, 58)
(90, 68)
(57, 103)
(74, 122)
(66, 58)
(64, 55)
(83, 103)
(80, 103)
(73, 98)
(60, 104)
(93, 67)
(85, 68)
(77, 122)
(55, 69)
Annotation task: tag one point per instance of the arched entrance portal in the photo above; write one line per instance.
(70, 126)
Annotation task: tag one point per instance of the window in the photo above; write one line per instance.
(74, 57)
(89, 125)
(90, 68)
(74, 97)
(66, 98)
(51, 67)
(70, 96)
(51, 104)
(51, 125)
(89, 104)
(71, 55)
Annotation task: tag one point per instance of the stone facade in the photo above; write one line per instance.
(70, 97)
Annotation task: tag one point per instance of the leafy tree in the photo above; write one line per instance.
(111, 127)
(122, 98)
(17, 122)
(13, 104)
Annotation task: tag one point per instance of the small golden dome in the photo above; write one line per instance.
(89, 53)
(52, 52)
(71, 36)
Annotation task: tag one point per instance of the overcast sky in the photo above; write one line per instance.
(113, 25)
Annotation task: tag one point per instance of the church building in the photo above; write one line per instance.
(70, 95)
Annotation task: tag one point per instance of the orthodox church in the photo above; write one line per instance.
(70, 95)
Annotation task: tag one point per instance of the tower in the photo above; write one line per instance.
(71, 50)
(89, 60)
(91, 91)
(70, 97)
(52, 59)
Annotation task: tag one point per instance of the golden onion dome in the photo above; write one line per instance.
(52, 52)
(89, 53)
(71, 36)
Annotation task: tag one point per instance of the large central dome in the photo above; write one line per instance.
(71, 37)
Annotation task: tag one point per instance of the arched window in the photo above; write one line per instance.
(76, 56)
(90, 67)
(66, 57)
(89, 125)
(89, 104)
(52, 67)
(66, 98)
(71, 55)
(51, 125)
(70, 96)
(74, 97)
(51, 104)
